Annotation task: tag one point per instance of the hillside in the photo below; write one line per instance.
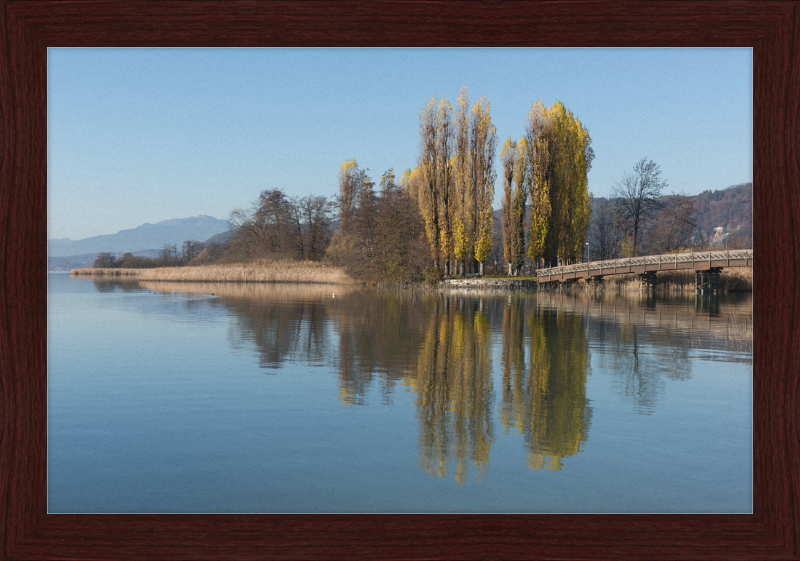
(144, 237)
(730, 209)
(721, 213)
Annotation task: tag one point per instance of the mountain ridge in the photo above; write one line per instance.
(143, 237)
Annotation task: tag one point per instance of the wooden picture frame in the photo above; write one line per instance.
(29, 27)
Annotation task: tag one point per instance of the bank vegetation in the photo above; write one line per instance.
(260, 270)
(436, 220)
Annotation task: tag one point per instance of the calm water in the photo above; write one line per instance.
(280, 398)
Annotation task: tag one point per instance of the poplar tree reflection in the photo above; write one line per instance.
(454, 386)
(378, 338)
(547, 401)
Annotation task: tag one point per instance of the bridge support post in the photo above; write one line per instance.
(707, 281)
(647, 280)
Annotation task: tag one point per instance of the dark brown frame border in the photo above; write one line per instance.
(28, 27)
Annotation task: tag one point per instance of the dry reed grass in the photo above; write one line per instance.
(734, 279)
(257, 271)
(739, 333)
(255, 291)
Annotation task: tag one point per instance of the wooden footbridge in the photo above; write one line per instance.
(706, 265)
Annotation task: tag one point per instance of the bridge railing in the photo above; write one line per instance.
(695, 257)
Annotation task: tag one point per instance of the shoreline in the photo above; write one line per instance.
(312, 272)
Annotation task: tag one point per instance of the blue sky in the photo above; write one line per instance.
(144, 135)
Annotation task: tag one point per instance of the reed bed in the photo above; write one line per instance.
(739, 333)
(255, 291)
(256, 271)
(734, 279)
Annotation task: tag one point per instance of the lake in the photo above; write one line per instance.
(196, 397)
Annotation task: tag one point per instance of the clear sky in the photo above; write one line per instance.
(144, 135)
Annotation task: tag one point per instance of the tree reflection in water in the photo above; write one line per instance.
(439, 346)
(546, 402)
(454, 386)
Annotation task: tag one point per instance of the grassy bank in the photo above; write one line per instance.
(257, 271)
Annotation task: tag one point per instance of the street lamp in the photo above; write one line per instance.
(587, 252)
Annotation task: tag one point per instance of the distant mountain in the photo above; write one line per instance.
(70, 262)
(144, 237)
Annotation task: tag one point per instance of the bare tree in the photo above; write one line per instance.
(105, 260)
(607, 231)
(675, 225)
(266, 227)
(190, 250)
(169, 254)
(639, 197)
(317, 212)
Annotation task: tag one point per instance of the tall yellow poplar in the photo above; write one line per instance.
(428, 194)
(508, 159)
(348, 189)
(484, 141)
(446, 206)
(463, 186)
(560, 156)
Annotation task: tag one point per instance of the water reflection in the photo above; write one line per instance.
(107, 285)
(546, 401)
(439, 347)
(378, 338)
(454, 387)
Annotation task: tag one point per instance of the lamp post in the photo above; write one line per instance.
(587, 252)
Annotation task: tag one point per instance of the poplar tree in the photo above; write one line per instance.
(428, 191)
(456, 164)
(514, 159)
(464, 186)
(508, 159)
(560, 156)
(348, 190)
(484, 141)
(444, 175)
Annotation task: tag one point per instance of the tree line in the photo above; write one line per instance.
(169, 256)
(546, 204)
(437, 219)
(639, 219)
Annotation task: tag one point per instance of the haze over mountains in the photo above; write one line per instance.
(144, 237)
